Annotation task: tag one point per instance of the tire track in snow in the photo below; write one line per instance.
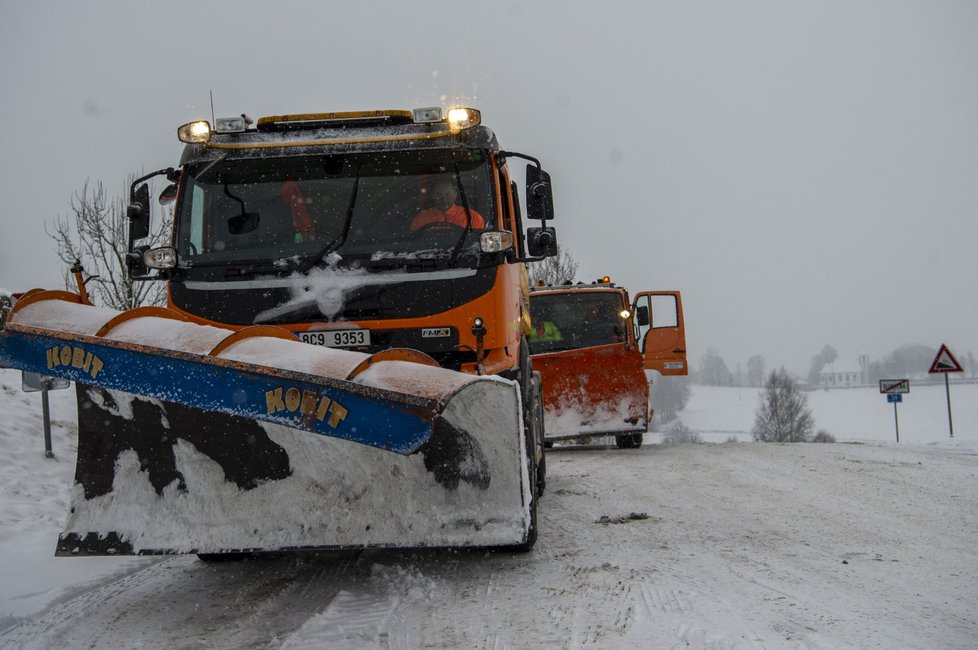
(57, 623)
(240, 605)
(368, 612)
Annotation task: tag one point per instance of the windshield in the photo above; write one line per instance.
(293, 212)
(566, 321)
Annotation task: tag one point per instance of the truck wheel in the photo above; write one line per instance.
(539, 433)
(533, 435)
(629, 441)
(532, 466)
(223, 557)
(531, 534)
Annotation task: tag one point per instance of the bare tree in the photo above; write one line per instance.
(783, 414)
(713, 370)
(680, 434)
(553, 271)
(98, 238)
(669, 396)
(755, 371)
(829, 354)
(819, 361)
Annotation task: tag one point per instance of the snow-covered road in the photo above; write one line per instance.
(703, 546)
(737, 545)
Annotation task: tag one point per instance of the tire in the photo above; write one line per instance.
(533, 435)
(540, 432)
(629, 441)
(542, 476)
(214, 558)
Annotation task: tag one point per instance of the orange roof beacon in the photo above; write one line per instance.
(592, 346)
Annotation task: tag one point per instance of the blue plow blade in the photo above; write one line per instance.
(396, 422)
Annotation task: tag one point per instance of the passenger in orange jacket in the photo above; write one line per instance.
(302, 222)
(444, 195)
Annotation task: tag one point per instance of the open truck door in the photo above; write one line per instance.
(660, 331)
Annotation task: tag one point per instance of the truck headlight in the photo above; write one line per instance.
(496, 241)
(463, 118)
(195, 132)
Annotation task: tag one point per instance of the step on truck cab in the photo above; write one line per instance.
(592, 347)
(341, 362)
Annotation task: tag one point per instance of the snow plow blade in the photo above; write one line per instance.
(199, 439)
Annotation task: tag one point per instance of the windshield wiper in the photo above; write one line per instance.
(468, 215)
(337, 241)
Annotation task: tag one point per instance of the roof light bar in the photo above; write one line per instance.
(232, 124)
(427, 115)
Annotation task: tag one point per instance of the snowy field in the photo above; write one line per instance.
(860, 544)
(850, 415)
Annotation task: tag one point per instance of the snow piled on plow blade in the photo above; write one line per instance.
(339, 494)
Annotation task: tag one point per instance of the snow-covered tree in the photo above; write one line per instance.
(783, 414)
(98, 238)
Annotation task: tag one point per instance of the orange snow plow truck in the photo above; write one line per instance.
(342, 359)
(592, 347)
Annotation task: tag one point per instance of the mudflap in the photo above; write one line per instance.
(155, 477)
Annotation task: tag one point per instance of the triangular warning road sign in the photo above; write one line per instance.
(945, 362)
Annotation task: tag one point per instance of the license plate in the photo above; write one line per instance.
(337, 338)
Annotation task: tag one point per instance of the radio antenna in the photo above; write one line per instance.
(213, 121)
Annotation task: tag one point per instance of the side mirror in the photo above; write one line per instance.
(539, 194)
(169, 194)
(138, 214)
(541, 242)
(642, 315)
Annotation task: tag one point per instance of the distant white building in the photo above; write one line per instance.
(845, 374)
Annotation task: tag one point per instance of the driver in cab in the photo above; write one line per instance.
(446, 210)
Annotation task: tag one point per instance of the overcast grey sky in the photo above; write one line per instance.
(805, 172)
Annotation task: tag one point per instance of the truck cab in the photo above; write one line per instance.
(308, 222)
(592, 347)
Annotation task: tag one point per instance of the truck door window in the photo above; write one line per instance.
(196, 230)
(663, 313)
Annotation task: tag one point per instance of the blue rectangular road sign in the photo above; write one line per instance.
(894, 397)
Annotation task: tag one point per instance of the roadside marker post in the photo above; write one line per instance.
(945, 363)
(32, 382)
(894, 390)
